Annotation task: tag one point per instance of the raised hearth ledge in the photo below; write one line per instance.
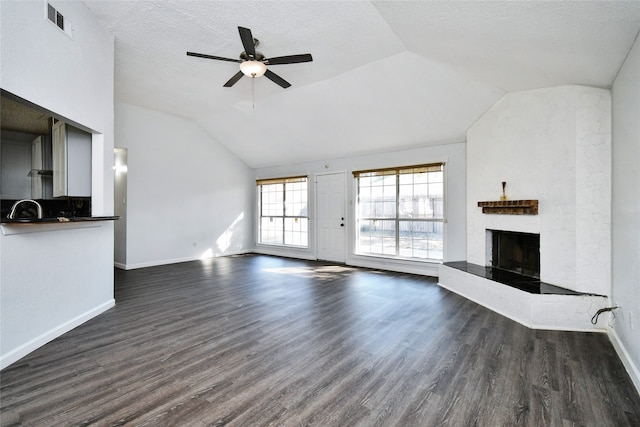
(510, 207)
(515, 280)
(551, 311)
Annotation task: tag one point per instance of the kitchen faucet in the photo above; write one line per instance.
(16, 204)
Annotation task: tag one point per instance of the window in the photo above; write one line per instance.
(400, 212)
(283, 211)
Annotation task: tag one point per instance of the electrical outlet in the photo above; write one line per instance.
(632, 325)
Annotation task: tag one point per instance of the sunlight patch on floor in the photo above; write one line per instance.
(324, 271)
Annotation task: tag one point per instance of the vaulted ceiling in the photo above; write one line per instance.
(386, 75)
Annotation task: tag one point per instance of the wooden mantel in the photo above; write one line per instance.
(510, 207)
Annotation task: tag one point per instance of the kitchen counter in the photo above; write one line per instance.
(57, 220)
(34, 225)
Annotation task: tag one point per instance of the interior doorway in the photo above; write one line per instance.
(120, 207)
(331, 217)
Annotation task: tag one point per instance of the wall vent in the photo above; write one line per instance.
(55, 17)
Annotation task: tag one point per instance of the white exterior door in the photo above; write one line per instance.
(331, 215)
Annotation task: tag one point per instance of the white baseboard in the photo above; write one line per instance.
(305, 254)
(26, 348)
(632, 368)
(174, 260)
(158, 262)
(410, 267)
(377, 263)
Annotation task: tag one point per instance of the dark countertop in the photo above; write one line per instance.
(528, 284)
(58, 220)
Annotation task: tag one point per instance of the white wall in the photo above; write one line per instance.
(553, 145)
(626, 212)
(188, 196)
(51, 281)
(454, 155)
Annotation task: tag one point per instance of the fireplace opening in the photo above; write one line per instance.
(516, 252)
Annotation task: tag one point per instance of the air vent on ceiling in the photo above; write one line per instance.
(55, 17)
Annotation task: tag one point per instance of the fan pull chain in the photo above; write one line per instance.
(253, 92)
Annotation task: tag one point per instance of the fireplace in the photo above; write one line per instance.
(514, 251)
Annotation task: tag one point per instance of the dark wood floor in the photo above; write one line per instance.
(257, 340)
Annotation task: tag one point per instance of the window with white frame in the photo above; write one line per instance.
(400, 212)
(283, 211)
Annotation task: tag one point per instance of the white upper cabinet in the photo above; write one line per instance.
(71, 161)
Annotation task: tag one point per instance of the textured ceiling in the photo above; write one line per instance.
(386, 75)
(18, 117)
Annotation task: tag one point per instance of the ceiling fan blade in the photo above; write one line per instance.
(247, 41)
(276, 79)
(233, 80)
(290, 59)
(219, 58)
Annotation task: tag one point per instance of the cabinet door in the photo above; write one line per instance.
(59, 159)
(78, 162)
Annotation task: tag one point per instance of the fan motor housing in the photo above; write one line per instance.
(245, 57)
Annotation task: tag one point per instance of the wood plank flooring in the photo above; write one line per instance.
(256, 340)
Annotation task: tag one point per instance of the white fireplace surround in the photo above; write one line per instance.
(554, 145)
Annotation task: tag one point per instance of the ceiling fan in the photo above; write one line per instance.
(254, 64)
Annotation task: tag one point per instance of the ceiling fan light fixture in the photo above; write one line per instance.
(254, 64)
(253, 68)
